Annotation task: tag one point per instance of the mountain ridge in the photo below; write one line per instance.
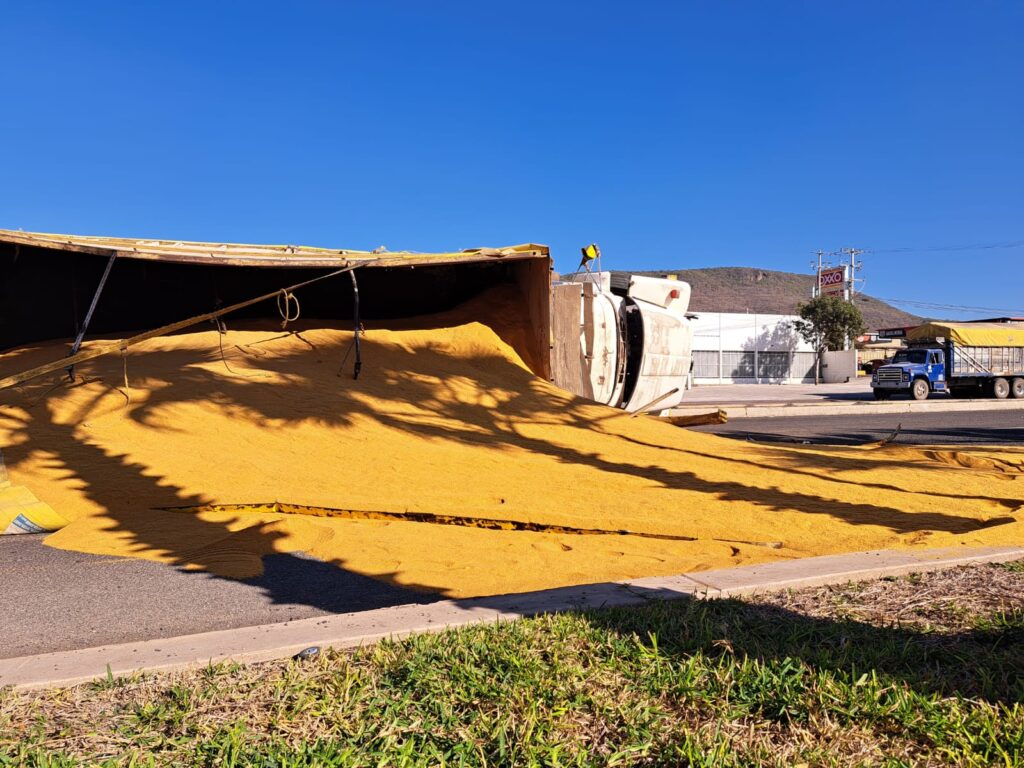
(766, 291)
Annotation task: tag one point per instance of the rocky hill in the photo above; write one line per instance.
(745, 289)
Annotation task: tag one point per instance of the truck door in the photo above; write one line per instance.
(937, 369)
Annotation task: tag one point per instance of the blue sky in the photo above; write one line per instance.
(673, 134)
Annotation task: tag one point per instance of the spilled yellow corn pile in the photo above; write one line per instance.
(446, 420)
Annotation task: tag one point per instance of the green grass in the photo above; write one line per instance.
(715, 683)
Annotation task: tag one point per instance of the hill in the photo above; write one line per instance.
(745, 289)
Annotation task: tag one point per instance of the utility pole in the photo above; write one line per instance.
(815, 293)
(853, 253)
(817, 280)
(851, 291)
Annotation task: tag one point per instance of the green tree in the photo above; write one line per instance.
(828, 323)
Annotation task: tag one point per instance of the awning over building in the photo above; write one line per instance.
(972, 334)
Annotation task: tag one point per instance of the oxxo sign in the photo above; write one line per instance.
(832, 281)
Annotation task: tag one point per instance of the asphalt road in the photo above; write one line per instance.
(52, 600)
(1004, 427)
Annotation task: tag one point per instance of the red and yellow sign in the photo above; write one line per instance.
(832, 282)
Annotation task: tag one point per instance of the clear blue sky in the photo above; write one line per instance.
(674, 134)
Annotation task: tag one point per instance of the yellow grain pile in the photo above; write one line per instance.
(446, 419)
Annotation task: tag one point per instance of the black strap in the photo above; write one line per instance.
(358, 326)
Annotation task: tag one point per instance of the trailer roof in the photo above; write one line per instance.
(247, 255)
(972, 334)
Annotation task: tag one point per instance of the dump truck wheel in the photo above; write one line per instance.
(881, 394)
(1017, 388)
(1000, 389)
(920, 390)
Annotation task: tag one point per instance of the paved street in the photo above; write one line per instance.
(53, 600)
(958, 427)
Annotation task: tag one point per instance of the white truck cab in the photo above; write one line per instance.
(634, 338)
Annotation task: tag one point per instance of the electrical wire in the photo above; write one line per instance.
(933, 249)
(954, 307)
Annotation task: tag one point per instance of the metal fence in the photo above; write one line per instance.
(762, 367)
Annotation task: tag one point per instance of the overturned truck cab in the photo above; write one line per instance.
(622, 340)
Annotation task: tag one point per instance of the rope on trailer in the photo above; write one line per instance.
(124, 370)
(285, 298)
(222, 330)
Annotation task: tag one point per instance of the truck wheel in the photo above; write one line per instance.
(920, 390)
(881, 394)
(1017, 388)
(1000, 389)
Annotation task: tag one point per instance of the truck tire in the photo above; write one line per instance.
(920, 389)
(1017, 389)
(881, 394)
(1000, 389)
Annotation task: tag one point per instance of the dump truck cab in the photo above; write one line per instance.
(965, 359)
(917, 371)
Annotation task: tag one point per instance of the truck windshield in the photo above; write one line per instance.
(915, 356)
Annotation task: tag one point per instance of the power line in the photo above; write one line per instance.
(954, 307)
(931, 249)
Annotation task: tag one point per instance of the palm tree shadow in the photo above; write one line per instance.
(979, 664)
(295, 579)
(278, 381)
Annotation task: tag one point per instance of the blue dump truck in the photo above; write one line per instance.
(965, 360)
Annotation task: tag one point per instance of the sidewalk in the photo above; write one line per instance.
(275, 641)
(751, 394)
(748, 401)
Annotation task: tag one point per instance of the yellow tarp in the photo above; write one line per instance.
(446, 419)
(972, 334)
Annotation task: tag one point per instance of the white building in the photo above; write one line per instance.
(749, 349)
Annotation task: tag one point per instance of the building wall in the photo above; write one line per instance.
(839, 367)
(749, 349)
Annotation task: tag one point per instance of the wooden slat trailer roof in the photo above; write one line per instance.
(250, 255)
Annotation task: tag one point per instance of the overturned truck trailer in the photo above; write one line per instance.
(626, 345)
(66, 286)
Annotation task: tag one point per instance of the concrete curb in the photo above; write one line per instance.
(851, 408)
(276, 641)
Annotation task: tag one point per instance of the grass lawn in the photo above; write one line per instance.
(926, 670)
